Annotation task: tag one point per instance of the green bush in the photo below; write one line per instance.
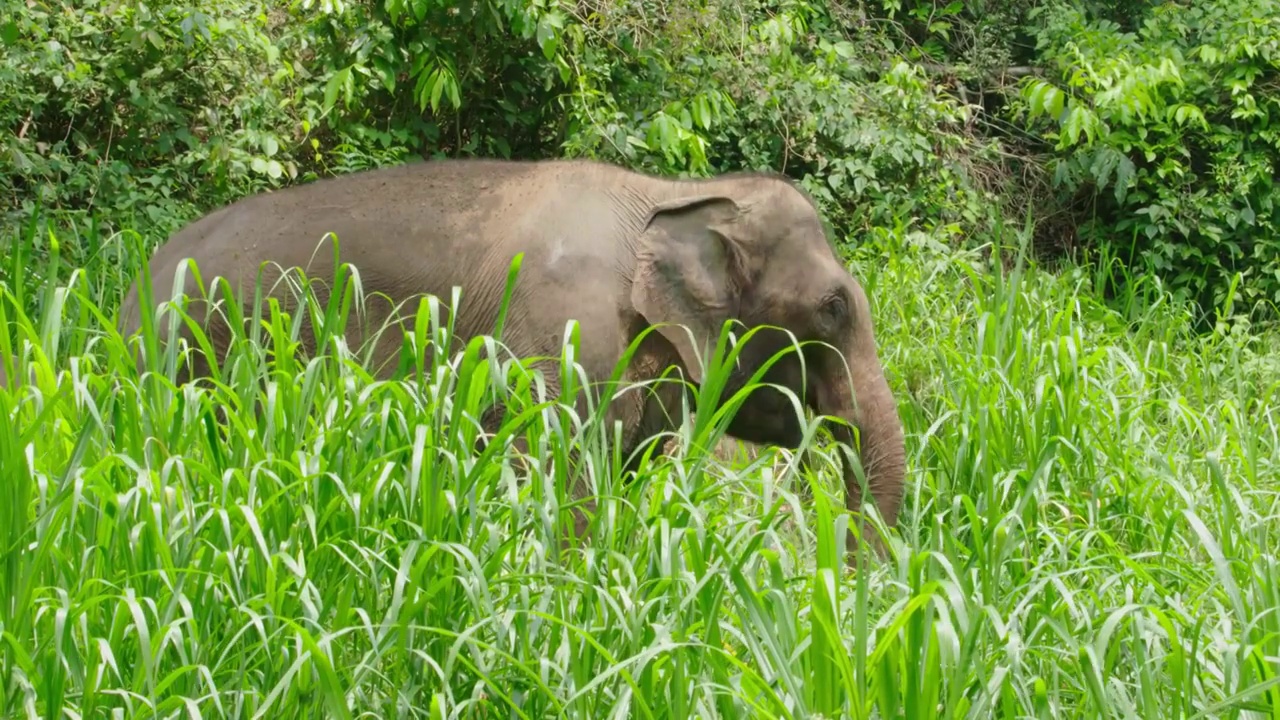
(806, 90)
(139, 112)
(1171, 129)
(893, 114)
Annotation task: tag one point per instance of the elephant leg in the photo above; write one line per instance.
(492, 420)
(657, 414)
(646, 405)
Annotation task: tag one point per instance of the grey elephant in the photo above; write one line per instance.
(616, 250)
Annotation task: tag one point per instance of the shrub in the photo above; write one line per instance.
(139, 112)
(806, 90)
(1170, 128)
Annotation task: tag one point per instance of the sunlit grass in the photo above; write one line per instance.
(1089, 530)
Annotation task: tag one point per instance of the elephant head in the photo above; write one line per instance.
(753, 248)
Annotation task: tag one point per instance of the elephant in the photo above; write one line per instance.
(617, 250)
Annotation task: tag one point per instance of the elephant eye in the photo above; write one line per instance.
(833, 313)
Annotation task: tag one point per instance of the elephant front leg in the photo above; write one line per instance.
(496, 418)
(648, 411)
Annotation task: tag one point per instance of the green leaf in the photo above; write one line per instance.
(436, 81)
(1104, 162)
(1053, 100)
(1210, 55)
(385, 74)
(455, 92)
(1072, 126)
(547, 38)
(1124, 176)
(1033, 93)
(702, 112)
(336, 83)
(565, 70)
(9, 33)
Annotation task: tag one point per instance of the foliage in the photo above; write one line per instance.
(1172, 128)
(1103, 546)
(973, 37)
(193, 108)
(147, 114)
(135, 112)
(793, 95)
(871, 138)
(893, 113)
(391, 75)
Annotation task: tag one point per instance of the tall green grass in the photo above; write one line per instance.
(1089, 532)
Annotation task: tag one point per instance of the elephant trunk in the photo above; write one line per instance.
(859, 394)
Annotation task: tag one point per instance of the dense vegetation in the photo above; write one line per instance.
(1122, 131)
(1093, 509)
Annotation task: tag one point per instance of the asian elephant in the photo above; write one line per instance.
(616, 250)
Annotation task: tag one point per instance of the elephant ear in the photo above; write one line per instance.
(689, 273)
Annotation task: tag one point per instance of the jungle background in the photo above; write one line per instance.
(1132, 131)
